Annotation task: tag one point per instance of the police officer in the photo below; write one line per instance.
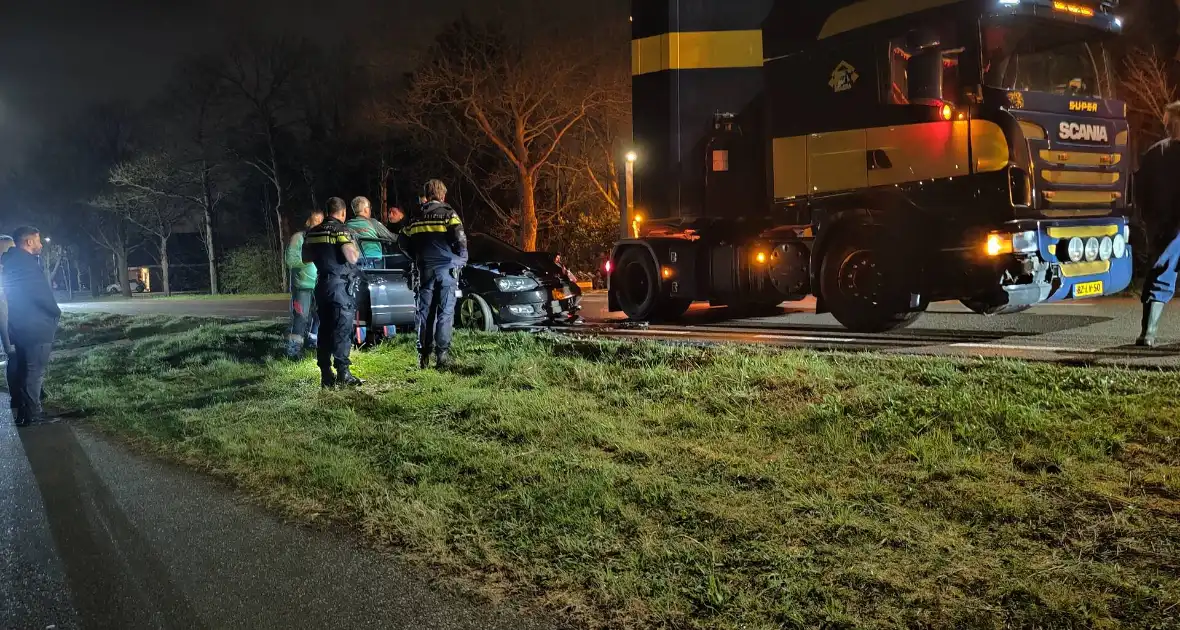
(332, 247)
(434, 239)
(1158, 190)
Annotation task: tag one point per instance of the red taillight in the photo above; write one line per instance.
(607, 267)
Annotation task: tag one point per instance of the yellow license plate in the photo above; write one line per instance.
(1089, 289)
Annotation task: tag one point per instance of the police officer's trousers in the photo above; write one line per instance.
(337, 321)
(435, 317)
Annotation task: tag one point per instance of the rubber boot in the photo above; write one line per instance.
(1152, 313)
(294, 349)
(327, 379)
(345, 379)
(20, 417)
(312, 343)
(443, 360)
(424, 361)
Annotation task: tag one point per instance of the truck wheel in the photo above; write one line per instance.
(863, 285)
(475, 314)
(638, 289)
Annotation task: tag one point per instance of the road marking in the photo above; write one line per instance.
(1000, 346)
(806, 339)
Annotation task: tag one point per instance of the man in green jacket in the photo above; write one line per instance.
(305, 322)
(369, 232)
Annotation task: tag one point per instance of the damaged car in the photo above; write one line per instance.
(502, 287)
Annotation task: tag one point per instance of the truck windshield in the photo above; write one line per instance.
(1032, 54)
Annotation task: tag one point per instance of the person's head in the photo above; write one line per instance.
(29, 239)
(1172, 120)
(315, 218)
(362, 208)
(435, 190)
(337, 209)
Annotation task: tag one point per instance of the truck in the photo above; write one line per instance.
(879, 155)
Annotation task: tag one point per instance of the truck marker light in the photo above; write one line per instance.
(608, 267)
(761, 258)
(667, 272)
(947, 112)
(999, 244)
(1073, 9)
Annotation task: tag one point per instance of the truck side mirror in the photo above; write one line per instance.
(924, 72)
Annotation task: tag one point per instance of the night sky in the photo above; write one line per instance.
(57, 56)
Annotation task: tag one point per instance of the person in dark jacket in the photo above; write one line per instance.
(333, 249)
(32, 321)
(434, 239)
(1157, 186)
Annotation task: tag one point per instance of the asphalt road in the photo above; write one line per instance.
(95, 537)
(1083, 332)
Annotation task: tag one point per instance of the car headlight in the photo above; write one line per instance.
(1077, 249)
(1092, 247)
(1119, 246)
(1105, 248)
(515, 284)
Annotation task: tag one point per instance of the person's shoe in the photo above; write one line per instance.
(327, 379)
(20, 418)
(1153, 312)
(346, 379)
(41, 420)
(443, 360)
(424, 361)
(294, 350)
(312, 343)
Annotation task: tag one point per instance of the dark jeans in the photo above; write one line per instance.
(305, 320)
(435, 317)
(26, 379)
(337, 322)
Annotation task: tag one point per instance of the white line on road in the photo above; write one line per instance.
(806, 339)
(1000, 346)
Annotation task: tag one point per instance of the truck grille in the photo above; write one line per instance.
(1079, 183)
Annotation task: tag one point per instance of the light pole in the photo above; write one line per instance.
(628, 213)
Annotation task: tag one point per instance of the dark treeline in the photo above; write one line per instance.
(523, 123)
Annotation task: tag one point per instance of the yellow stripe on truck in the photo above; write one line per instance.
(837, 161)
(696, 51)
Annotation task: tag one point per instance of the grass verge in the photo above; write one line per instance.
(628, 485)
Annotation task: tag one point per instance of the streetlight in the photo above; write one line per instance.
(629, 206)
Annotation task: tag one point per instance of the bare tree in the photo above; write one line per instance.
(146, 192)
(1149, 88)
(196, 139)
(110, 229)
(522, 96)
(261, 73)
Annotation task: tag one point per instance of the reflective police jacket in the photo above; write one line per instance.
(433, 237)
(323, 245)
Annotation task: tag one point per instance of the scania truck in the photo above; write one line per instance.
(880, 155)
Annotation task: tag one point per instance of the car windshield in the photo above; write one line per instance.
(485, 249)
(1032, 54)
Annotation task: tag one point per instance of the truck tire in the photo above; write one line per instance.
(638, 289)
(859, 281)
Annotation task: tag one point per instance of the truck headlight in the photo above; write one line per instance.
(1119, 245)
(1076, 249)
(1000, 243)
(1092, 247)
(1105, 248)
(515, 284)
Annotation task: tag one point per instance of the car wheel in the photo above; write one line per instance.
(475, 314)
